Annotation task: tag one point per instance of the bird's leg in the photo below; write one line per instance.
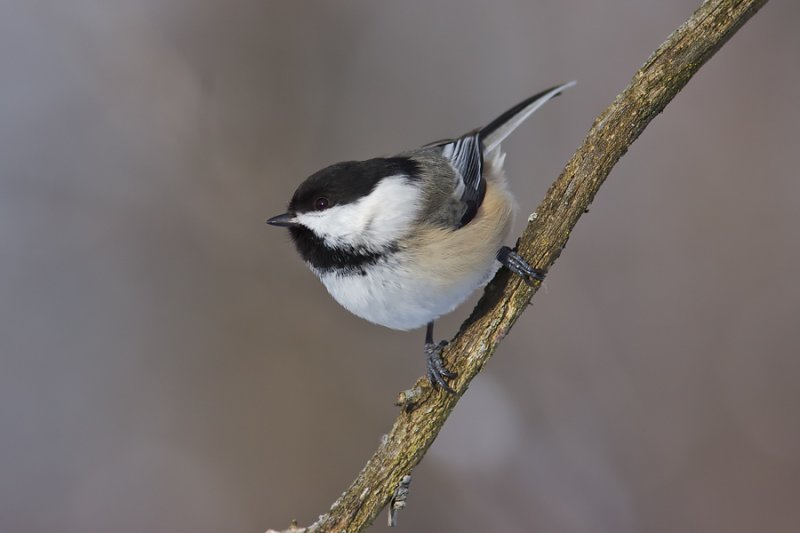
(437, 373)
(516, 264)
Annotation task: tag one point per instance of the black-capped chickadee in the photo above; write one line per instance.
(402, 240)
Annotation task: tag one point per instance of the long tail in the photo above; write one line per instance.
(501, 127)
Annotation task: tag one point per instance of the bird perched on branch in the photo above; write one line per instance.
(403, 240)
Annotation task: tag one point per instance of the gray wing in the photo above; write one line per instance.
(465, 155)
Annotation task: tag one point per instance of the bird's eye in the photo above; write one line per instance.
(321, 203)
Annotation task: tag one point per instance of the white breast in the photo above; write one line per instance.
(395, 297)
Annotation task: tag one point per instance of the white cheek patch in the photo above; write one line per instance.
(372, 222)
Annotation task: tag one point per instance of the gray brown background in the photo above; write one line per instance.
(169, 365)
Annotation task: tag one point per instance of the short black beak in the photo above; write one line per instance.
(285, 220)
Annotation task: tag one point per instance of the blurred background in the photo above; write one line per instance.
(168, 364)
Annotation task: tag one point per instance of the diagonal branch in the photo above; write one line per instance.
(424, 411)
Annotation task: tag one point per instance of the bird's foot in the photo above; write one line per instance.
(398, 500)
(437, 373)
(516, 264)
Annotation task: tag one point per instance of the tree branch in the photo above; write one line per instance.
(424, 411)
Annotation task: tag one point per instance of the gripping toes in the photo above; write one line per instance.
(437, 373)
(516, 264)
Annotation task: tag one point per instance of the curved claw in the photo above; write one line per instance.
(437, 373)
(516, 264)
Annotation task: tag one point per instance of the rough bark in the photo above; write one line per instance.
(424, 411)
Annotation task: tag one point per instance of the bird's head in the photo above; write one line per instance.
(353, 209)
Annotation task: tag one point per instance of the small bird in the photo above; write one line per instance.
(403, 240)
